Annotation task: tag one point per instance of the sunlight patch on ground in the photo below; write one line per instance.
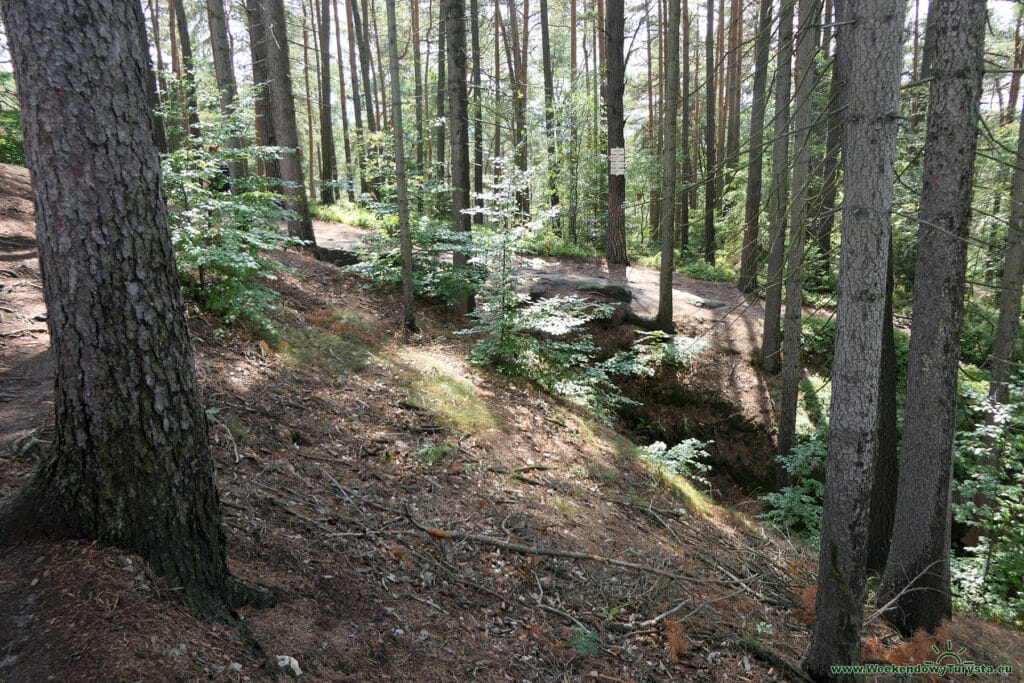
(437, 386)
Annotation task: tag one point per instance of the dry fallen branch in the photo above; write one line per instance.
(765, 655)
(554, 552)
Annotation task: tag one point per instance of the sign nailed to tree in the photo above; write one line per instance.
(617, 161)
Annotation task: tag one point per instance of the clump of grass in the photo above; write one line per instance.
(453, 401)
(336, 341)
(346, 212)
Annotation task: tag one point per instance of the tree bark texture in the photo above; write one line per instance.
(224, 72)
(189, 71)
(328, 159)
(264, 119)
(1003, 365)
(752, 216)
(778, 198)
(130, 463)
(615, 249)
(792, 368)
(711, 177)
(919, 556)
(458, 106)
(402, 182)
(282, 109)
(887, 459)
(670, 109)
(870, 45)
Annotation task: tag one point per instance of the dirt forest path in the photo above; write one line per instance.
(714, 311)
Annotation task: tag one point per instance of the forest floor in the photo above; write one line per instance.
(422, 518)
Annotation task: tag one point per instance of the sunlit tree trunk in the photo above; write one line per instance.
(615, 251)
(402, 183)
(670, 110)
(130, 462)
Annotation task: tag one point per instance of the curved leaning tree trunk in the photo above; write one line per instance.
(130, 463)
(869, 55)
(917, 574)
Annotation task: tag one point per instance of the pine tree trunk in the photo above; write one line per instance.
(615, 250)
(343, 97)
(711, 177)
(310, 156)
(919, 557)
(357, 106)
(752, 216)
(1003, 350)
(442, 91)
(264, 120)
(683, 228)
(362, 41)
(1018, 64)
(870, 45)
(778, 198)
(159, 133)
(732, 141)
(458, 106)
(189, 71)
(224, 71)
(417, 68)
(792, 368)
(670, 112)
(478, 113)
(382, 82)
(282, 109)
(328, 163)
(549, 106)
(887, 463)
(130, 462)
(402, 198)
(826, 218)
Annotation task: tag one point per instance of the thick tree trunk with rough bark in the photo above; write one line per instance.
(130, 463)
(615, 249)
(752, 215)
(919, 556)
(870, 45)
(282, 109)
(670, 110)
(458, 106)
(778, 198)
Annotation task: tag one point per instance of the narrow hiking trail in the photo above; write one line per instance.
(713, 311)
